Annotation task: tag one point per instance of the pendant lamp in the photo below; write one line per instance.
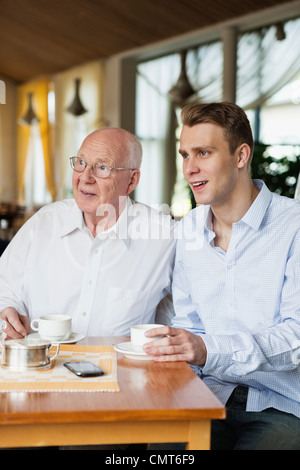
(29, 117)
(182, 90)
(76, 107)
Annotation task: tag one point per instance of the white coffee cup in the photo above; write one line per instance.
(53, 327)
(137, 334)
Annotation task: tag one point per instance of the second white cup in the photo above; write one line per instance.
(53, 327)
(137, 334)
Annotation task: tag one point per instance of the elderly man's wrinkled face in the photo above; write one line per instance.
(91, 192)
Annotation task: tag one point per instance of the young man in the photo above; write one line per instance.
(237, 295)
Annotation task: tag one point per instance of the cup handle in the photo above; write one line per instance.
(56, 352)
(32, 324)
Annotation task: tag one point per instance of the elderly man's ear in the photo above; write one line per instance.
(134, 181)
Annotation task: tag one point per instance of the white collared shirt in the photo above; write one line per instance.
(106, 283)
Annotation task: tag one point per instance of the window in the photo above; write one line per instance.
(157, 121)
(268, 72)
(271, 95)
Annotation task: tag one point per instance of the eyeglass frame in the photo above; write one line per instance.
(92, 166)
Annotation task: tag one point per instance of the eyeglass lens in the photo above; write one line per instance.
(99, 169)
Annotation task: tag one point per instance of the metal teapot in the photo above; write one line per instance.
(25, 353)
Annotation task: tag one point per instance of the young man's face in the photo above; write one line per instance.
(208, 166)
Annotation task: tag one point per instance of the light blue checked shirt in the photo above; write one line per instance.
(245, 303)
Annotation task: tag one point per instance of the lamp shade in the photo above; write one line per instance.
(182, 90)
(29, 117)
(76, 107)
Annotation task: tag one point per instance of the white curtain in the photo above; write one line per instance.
(71, 130)
(35, 189)
(154, 80)
(265, 65)
(205, 71)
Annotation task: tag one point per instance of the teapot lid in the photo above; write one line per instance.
(26, 343)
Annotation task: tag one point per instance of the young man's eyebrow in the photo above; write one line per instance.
(196, 149)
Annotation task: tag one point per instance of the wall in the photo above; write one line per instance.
(8, 129)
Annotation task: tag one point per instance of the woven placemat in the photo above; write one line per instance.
(60, 379)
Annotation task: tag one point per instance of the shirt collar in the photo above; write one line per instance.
(255, 213)
(120, 228)
(75, 221)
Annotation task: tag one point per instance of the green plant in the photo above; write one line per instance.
(279, 174)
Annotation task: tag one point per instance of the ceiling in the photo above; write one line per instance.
(40, 37)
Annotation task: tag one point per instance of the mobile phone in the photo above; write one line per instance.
(84, 368)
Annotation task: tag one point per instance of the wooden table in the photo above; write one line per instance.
(156, 403)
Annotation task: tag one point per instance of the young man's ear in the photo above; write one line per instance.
(243, 155)
(134, 181)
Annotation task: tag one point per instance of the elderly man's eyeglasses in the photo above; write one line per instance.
(100, 170)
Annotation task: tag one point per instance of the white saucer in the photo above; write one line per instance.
(73, 338)
(132, 352)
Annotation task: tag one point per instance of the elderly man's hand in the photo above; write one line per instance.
(177, 345)
(18, 326)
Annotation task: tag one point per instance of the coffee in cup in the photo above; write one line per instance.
(53, 327)
(138, 337)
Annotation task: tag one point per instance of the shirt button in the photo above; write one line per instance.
(96, 252)
(90, 282)
(84, 314)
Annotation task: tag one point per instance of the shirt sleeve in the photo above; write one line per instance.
(165, 311)
(276, 348)
(12, 270)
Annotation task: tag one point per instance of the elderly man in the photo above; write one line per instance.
(99, 257)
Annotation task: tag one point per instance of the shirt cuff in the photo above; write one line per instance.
(11, 303)
(219, 354)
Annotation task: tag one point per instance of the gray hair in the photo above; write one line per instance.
(135, 151)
